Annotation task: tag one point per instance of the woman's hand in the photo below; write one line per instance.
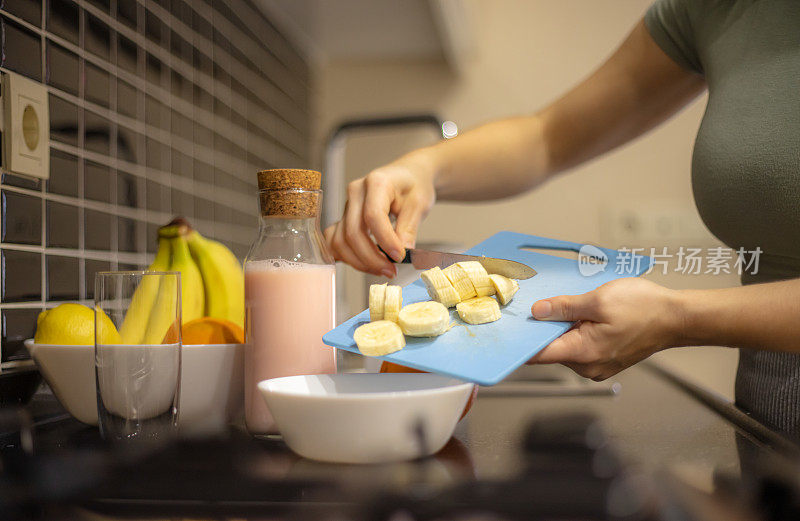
(404, 189)
(620, 324)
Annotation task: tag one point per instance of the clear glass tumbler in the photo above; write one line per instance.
(137, 354)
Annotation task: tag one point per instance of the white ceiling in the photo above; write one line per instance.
(360, 29)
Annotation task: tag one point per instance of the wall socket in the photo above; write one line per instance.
(26, 126)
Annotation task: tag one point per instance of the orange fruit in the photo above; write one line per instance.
(209, 330)
(388, 367)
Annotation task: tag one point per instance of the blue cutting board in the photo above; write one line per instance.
(487, 353)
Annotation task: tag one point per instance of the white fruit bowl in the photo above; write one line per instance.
(212, 383)
(366, 418)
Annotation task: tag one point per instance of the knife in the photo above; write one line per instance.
(427, 259)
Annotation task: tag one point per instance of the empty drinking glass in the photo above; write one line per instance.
(137, 354)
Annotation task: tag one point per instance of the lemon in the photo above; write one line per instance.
(73, 324)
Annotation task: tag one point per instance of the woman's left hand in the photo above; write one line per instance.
(619, 324)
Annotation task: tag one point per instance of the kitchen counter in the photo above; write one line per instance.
(654, 423)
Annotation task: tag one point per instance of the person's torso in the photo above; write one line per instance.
(746, 163)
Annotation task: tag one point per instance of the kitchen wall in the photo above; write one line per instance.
(156, 109)
(526, 53)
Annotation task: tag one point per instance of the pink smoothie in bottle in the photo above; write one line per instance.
(289, 290)
(289, 307)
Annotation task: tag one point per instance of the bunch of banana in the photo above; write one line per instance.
(212, 284)
(135, 326)
(193, 295)
(222, 278)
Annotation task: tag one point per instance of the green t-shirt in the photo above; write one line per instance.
(746, 162)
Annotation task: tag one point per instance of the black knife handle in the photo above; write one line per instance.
(406, 259)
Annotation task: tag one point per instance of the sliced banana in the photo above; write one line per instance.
(439, 287)
(460, 281)
(424, 319)
(479, 278)
(479, 310)
(377, 295)
(504, 287)
(392, 303)
(379, 338)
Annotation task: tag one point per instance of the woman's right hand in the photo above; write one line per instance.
(403, 189)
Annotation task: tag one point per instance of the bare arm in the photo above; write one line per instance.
(637, 88)
(629, 319)
(634, 90)
(759, 316)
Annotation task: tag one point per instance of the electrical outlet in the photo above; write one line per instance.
(26, 126)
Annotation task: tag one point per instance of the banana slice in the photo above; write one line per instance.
(479, 278)
(504, 287)
(424, 319)
(377, 294)
(392, 303)
(458, 278)
(379, 338)
(479, 310)
(439, 287)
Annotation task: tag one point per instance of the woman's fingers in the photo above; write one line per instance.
(567, 308)
(357, 236)
(378, 199)
(343, 250)
(569, 347)
(327, 235)
(408, 219)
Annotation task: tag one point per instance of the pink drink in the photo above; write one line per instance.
(289, 307)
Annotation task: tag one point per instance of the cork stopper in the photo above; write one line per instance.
(289, 192)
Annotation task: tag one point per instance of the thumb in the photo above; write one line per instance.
(566, 308)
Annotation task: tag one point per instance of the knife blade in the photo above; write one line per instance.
(427, 259)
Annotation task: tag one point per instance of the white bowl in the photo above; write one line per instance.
(366, 418)
(212, 383)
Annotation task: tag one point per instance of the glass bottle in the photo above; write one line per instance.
(289, 289)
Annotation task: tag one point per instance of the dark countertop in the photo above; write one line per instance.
(653, 422)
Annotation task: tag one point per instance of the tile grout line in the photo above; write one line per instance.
(112, 149)
(158, 134)
(183, 68)
(99, 206)
(206, 190)
(135, 37)
(141, 192)
(208, 46)
(236, 105)
(227, 62)
(82, 282)
(42, 183)
(142, 84)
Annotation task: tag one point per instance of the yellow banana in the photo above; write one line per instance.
(162, 314)
(222, 276)
(192, 292)
(133, 327)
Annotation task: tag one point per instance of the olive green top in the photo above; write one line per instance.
(746, 162)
